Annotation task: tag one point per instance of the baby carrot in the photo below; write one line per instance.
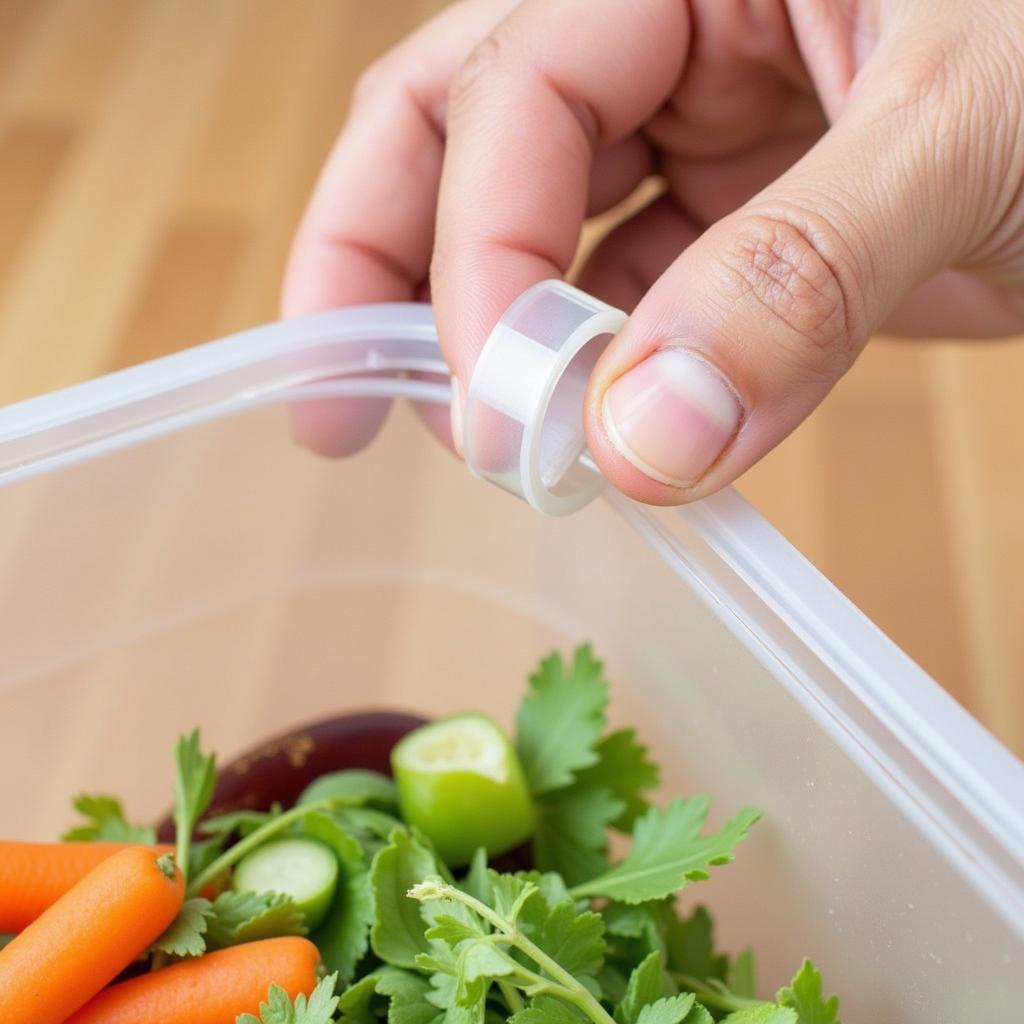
(33, 876)
(95, 930)
(211, 989)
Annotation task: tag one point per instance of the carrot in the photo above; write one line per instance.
(81, 943)
(33, 876)
(211, 989)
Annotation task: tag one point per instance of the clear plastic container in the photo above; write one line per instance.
(171, 558)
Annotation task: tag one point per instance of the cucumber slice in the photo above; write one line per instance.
(306, 870)
(461, 782)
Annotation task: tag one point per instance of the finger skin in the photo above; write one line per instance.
(776, 300)
(368, 231)
(526, 114)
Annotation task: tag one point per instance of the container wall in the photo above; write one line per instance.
(221, 577)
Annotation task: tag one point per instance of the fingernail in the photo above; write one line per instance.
(456, 417)
(671, 416)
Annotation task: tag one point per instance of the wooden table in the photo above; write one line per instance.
(155, 156)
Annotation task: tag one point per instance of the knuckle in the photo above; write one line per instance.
(788, 269)
(920, 79)
(375, 78)
(479, 66)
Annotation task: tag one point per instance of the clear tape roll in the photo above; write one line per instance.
(522, 421)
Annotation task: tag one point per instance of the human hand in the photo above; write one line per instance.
(831, 169)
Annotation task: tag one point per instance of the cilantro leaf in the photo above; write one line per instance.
(669, 852)
(237, 917)
(765, 1013)
(193, 790)
(242, 822)
(681, 1009)
(671, 1010)
(279, 1009)
(547, 1010)
(571, 835)
(106, 823)
(804, 995)
(640, 928)
(398, 932)
(647, 984)
(561, 720)
(405, 992)
(690, 947)
(185, 935)
(741, 976)
(525, 944)
(356, 786)
(624, 770)
(574, 940)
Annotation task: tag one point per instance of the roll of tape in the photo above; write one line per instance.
(522, 422)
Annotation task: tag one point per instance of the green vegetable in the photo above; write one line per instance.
(344, 935)
(193, 790)
(669, 852)
(106, 823)
(460, 781)
(279, 1009)
(302, 869)
(367, 865)
(398, 935)
(186, 934)
(561, 720)
(804, 994)
(354, 786)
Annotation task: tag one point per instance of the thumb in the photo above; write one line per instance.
(748, 330)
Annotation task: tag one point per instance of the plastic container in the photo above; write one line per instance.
(171, 557)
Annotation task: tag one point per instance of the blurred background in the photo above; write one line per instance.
(155, 157)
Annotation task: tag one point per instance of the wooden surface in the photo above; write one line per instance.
(154, 157)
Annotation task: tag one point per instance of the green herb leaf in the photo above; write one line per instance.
(647, 984)
(804, 995)
(106, 823)
(680, 1009)
(646, 923)
(561, 720)
(405, 992)
(765, 1013)
(624, 770)
(185, 935)
(193, 789)
(691, 947)
(669, 852)
(398, 932)
(571, 836)
(237, 917)
(741, 976)
(242, 822)
(369, 827)
(279, 1008)
(355, 786)
(524, 925)
(574, 940)
(546, 1010)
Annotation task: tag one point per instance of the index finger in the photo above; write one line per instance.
(556, 80)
